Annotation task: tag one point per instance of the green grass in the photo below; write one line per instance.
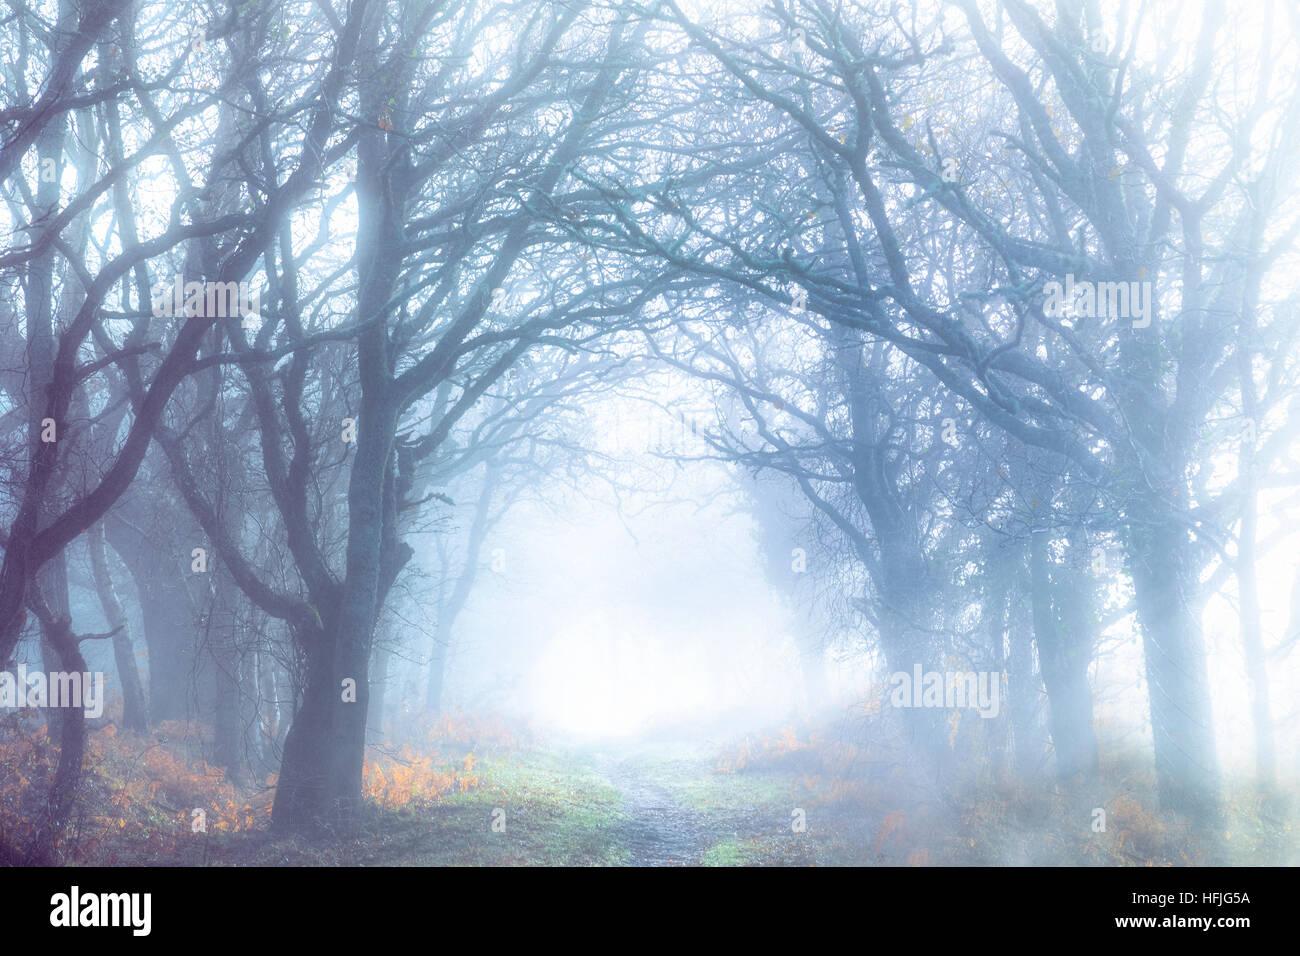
(730, 793)
(557, 812)
(727, 853)
(694, 783)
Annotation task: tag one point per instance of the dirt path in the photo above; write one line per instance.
(659, 831)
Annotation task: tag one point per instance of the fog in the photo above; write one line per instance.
(708, 433)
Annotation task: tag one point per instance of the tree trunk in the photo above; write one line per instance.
(135, 714)
(450, 602)
(271, 723)
(1023, 686)
(378, 692)
(53, 587)
(1252, 637)
(320, 787)
(437, 670)
(906, 641)
(1165, 585)
(72, 749)
(999, 571)
(167, 618)
(228, 736)
(1064, 649)
(303, 794)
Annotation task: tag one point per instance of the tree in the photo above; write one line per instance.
(1060, 169)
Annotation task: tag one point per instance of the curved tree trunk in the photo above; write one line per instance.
(320, 786)
(72, 749)
(135, 712)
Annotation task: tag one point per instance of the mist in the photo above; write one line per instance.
(636, 434)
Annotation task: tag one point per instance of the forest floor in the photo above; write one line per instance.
(655, 829)
(541, 805)
(677, 804)
(574, 807)
(469, 791)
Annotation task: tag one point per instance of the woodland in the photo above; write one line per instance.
(652, 432)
